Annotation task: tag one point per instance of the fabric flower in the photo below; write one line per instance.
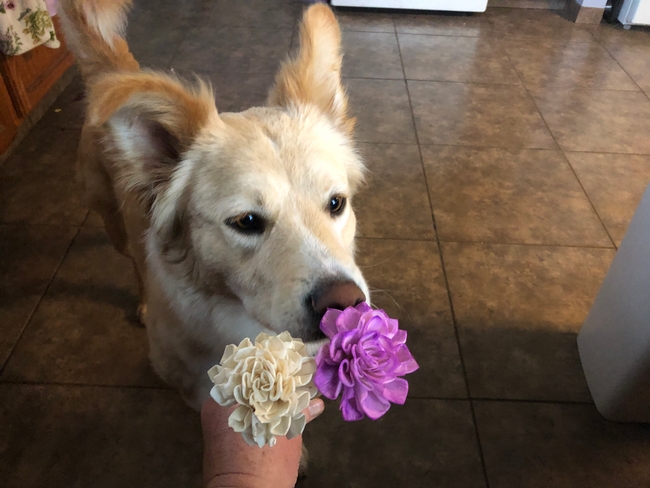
(271, 380)
(363, 362)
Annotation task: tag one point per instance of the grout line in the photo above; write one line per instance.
(624, 70)
(500, 400)
(589, 200)
(38, 304)
(41, 226)
(444, 273)
(575, 175)
(190, 21)
(441, 241)
(84, 385)
(83, 222)
(542, 402)
(509, 148)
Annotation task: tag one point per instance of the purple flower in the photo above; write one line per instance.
(10, 5)
(364, 360)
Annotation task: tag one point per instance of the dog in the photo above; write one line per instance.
(236, 223)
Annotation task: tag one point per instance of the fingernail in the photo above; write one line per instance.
(315, 408)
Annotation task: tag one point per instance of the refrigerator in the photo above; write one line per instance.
(450, 5)
(634, 12)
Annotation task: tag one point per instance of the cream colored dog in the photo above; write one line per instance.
(236, 223)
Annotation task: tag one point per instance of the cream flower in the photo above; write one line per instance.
(271, 380)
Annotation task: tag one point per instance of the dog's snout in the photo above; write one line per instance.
(337, 294)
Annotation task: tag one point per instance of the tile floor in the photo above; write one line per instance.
(507, 152)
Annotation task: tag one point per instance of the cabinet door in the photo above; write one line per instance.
(29, 76)
(8, 118)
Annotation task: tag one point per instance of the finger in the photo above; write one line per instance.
(314, 409)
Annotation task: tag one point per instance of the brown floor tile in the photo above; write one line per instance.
(354, 21)
(597, 120)
(154, 50)
(249, 13)
(563, 446)
(443, 24)
(421, 444)
(69, 109)
(235, 92)
(156, 29)
(93, 220)
(635, 60)
(463, 59)
(37, 182)
(238, 49)
(394, 202)
(518, 311)
(30, 256)
(382, 110)
(631, 48)
(371, 55)
(613, 34)
(83, 330)
(615, 184)
(417, 296)
(99, 437)
(509, 196)
(545, 64)
(534, 23)
(477, 115)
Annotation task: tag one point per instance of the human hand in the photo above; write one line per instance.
(228, 462)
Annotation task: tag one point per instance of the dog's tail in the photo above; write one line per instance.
(94, 32)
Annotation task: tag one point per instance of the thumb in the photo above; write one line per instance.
(314, 409)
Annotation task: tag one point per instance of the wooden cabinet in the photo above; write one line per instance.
(26, 79)
(9, 121)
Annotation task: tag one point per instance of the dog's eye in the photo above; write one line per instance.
(247, 223)
(337, 205)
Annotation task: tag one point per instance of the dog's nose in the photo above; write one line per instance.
(337, 294)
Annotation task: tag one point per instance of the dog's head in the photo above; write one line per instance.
(255, 206)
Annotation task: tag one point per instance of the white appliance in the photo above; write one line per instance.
(453, 5)
(634, 12)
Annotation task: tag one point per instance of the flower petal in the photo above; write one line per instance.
(375, 321)
(297, 426)
(327, 381)
(349, 407)
(323, 354)
(280, 426)
(345, 375)
(392, 327)
(328, 322)
(372, 404)
(218, 396)
(396, 391)
(363, 307)
(348, 319)
(406, 359)
(399, 337)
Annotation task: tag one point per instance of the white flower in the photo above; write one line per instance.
(271, 380)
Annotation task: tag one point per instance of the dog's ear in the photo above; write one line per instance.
(313, 74)
(148, 122)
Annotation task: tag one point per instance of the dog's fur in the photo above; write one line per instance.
(169, 175)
